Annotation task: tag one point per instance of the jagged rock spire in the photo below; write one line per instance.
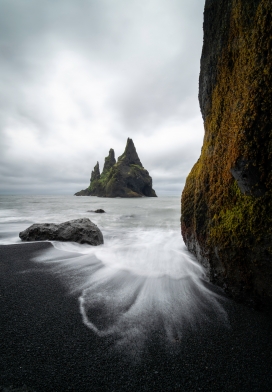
(125, 178)
(95, 173)
(109, 161)
(130, 155)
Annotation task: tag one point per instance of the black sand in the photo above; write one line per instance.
(46, 347)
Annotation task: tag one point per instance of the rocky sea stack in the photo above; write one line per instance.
(227, 200)
(124, 178)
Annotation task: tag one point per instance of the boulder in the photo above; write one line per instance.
(81, 230)
(226, 202)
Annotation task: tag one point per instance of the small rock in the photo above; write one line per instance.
(99, 211)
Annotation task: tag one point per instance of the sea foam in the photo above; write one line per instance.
(137, 283)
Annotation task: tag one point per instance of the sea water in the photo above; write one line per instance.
(140, 280)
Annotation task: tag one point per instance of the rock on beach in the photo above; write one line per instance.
(81, 230)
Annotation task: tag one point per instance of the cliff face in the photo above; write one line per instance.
(124, 178)
(227, 200)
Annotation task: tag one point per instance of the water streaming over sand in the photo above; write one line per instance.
(141, 280)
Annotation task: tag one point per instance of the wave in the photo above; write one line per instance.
(137, 282)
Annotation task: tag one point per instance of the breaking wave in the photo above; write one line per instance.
(136, 283)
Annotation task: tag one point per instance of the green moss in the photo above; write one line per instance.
(235, 222)
(105, 177)
(138, 167)
(93, 185)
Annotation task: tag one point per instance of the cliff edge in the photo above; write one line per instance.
(125, 178)
(227, 199)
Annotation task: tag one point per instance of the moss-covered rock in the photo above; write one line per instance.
(125, 178)
(227, 200)
(109, 162)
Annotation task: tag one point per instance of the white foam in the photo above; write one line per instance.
(133, 283)
(143, 252)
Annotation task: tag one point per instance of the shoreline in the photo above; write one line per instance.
(46, 347)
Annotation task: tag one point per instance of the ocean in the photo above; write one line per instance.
(142, 278)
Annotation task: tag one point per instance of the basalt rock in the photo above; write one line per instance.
(125, 178)
(98, 211)
(109, 162)
(227, 199)
(82, 231)
(95, 173)
(95, 177)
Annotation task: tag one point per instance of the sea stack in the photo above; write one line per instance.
(227, 200)
(125, 178)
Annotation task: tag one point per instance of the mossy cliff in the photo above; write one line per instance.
(125, 178)
(227, 199)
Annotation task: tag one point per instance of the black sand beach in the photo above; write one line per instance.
(46, 347)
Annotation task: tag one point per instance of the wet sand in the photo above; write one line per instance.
(46, 347)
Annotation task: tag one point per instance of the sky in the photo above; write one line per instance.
(78, 77)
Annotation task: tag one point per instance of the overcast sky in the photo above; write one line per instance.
(79, 77)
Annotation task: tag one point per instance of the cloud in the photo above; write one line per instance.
(79, 77)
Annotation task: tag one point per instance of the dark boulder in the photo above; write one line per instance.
(81, 230)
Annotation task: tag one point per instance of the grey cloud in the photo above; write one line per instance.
(151, 51)
(157, 97)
